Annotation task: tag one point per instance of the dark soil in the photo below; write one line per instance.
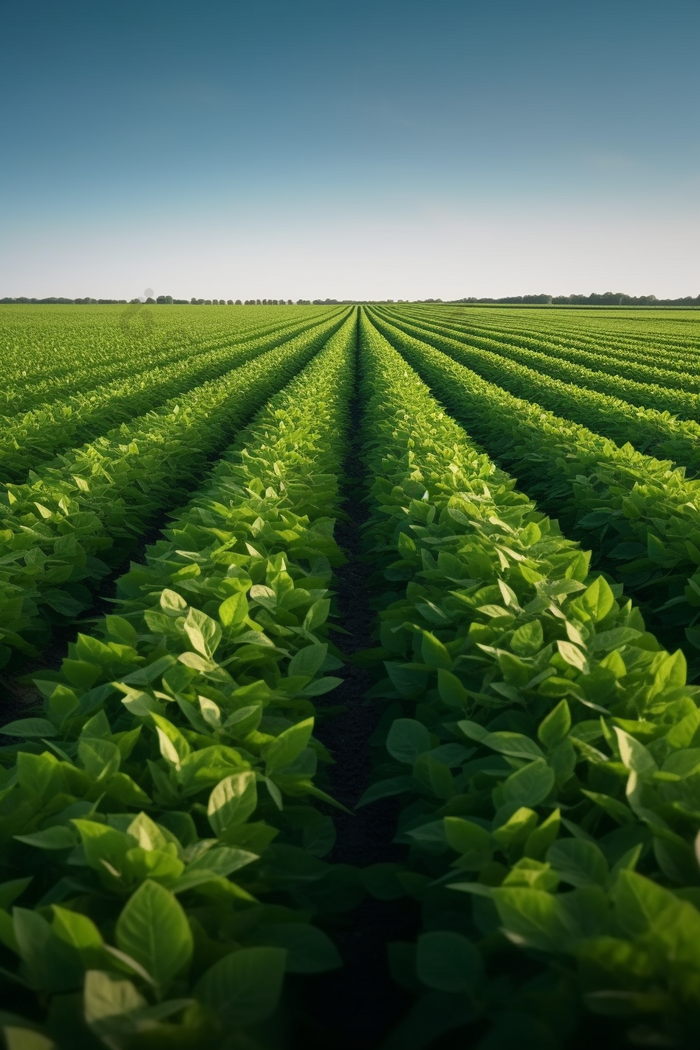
(357, 1005)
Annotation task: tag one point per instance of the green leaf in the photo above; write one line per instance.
(153, 929)
(471, 841)
(579, 862)
(173, 745)
(387, 788)
(515, 744)
(102, 843)
(234, 610)
(100, 758)
(540, 839)
(532, 918)
(232, 801)
(317, 614)
(555, 727)
(61, 836)
(451, 690)
(244, 987)
(528, 639)
(634, 754)
(448, 962)
(285, 748)
(434, 653)
(79, 932)
(30, 727)
(573, 656)
(598, 599)
(26, 1039)
(215, 863)
(203, 633)
(530, 785)
(407, 740)
(107, 997)
(308, 660)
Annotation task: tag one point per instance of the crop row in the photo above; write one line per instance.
(164, 818)
(667, 333)
(641, 516)
(135, 350)
(50, 341)
(176, 751)
(648, 429)
(684, 403)
(74, 522)
(27, 440)
(542, 744)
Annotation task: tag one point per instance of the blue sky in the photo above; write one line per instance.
(387, 149)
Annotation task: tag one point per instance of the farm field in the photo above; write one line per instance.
(350, 664)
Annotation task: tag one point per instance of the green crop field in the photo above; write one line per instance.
(349, 660)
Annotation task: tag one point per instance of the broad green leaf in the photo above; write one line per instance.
(232, 801)
(540, 838)
(173, 745)
(244, 987)
(203, 633)
(434, 652)
(527, 639)
(308, 660)
(79, 932)
(285, 748)
(407, 740)
(578, 862)
(530, 785)
(532, 918)
(451, 690)
(20, 1038)
(634, 754)
(573, 656)
(471, 841)
(29, 727)
(102, 843)
(60, 836)
(107, 996)
(233, 610)
(598, 599)
(555, 726)
(153, 929)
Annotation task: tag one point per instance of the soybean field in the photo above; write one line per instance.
(350, 664)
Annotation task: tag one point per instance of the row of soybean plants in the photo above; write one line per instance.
(58, 342)
(27, 439)
(544, 747)
(129, 351)
(540, 738)
(75, 520)
(641, 515)
(654, 339)
(161, 840)
(648, 429)
(679, 399)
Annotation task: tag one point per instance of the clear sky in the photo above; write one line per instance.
(385, 149)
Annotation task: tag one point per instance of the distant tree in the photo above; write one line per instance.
(238, 302)
(165, 299)
(229, 302)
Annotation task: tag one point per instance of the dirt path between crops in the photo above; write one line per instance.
(357, 1005)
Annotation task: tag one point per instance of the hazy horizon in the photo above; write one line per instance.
(373, 151)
